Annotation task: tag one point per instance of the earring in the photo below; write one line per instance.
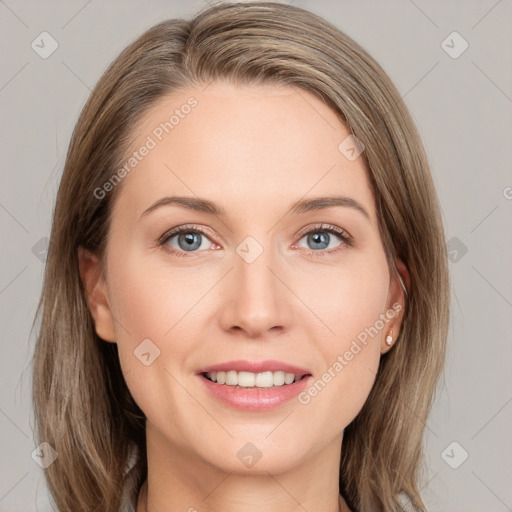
(389, 339)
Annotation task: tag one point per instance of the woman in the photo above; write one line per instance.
(245, 303)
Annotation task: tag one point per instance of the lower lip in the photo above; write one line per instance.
(255, 399)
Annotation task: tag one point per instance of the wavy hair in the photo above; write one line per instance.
(82, 405)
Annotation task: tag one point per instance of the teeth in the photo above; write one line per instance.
(250, 380)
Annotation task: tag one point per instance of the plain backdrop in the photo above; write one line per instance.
(451, 62)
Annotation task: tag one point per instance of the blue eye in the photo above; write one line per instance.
(188, 239)
(320, 239)
(321, 236)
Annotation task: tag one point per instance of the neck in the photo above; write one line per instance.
(192, 484)
(142, 505)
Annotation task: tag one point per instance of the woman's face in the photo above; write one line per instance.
(252, 285)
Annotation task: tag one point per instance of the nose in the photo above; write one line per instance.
(256, 299)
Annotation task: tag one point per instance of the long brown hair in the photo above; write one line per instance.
(82, 405)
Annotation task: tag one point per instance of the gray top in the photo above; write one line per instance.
(126, 504)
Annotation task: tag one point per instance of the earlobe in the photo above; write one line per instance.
(96, 294)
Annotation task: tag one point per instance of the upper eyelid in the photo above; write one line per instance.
(325, 227)
(341, 232)
(187, 227)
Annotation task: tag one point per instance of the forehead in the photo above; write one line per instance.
(244, 147)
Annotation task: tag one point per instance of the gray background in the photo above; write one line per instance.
(463, 109)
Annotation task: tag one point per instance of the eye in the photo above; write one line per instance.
(320, 237)
(185, 239)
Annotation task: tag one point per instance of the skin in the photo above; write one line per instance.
(254, 151)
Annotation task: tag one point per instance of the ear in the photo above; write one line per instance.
(397, 301)
(96, 292)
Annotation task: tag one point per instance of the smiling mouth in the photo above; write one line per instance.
(249, 380)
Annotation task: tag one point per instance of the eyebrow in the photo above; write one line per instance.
(302, 206)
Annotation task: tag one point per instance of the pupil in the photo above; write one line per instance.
(320, 238)
(190, 238)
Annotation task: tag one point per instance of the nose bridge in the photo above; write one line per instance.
(257, 299)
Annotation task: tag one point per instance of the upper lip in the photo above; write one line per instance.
(255, 367)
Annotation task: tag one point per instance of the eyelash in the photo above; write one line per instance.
(346, 239)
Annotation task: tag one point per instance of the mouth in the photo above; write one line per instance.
(254, 386)
(250, 380)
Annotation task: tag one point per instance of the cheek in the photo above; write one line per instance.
(145, 306)
(153, 306)
(149, 298)
(351, 301)
(347, 297)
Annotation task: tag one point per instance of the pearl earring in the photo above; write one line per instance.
(389, 340)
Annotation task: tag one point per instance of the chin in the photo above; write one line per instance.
(256, 455)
